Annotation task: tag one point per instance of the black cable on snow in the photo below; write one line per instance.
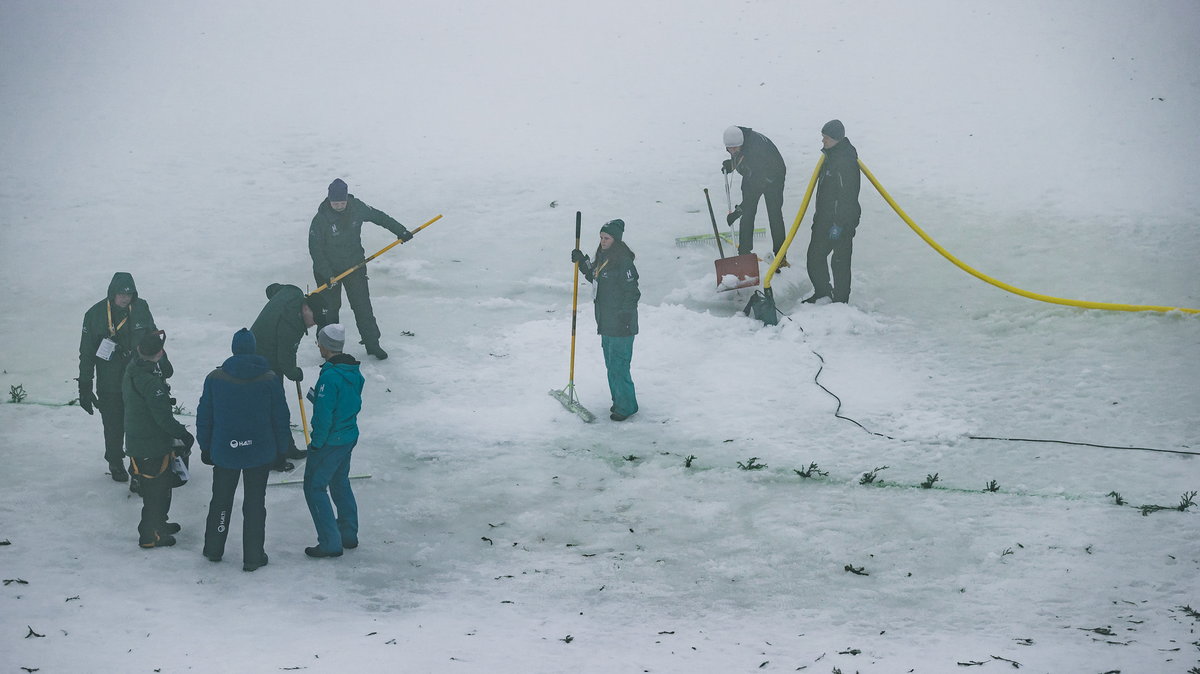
(838, 413)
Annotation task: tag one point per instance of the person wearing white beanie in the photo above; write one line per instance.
(336, 400)
(756, 158)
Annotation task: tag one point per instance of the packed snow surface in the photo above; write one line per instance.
(765, 509)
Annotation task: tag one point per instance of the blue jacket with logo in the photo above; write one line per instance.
(336, 400)
(242, 419)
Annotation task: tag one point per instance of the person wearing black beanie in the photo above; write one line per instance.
(835, 216)
(153, 437)
(335, 245)
(617, 296)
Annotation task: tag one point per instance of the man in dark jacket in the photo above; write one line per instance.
(242, 428)
(758, 160)
(835, 216)
(277, 333)
(112, 329)
(153, 437)
(335, 244)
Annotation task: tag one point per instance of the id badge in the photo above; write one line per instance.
(107, 347)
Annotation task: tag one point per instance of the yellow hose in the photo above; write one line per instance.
(1106, 306)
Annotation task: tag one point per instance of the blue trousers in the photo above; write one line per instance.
(326, 474)
(618, 354)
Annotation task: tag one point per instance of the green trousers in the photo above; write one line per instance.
(618, 354)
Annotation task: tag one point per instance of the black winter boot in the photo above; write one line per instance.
(118, 472)
(375, 350)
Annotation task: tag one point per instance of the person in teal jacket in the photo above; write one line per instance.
(617, 296)
(336, 400)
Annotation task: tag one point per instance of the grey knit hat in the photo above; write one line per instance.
(332, 337)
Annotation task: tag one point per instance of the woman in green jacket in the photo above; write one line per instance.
(616, 298)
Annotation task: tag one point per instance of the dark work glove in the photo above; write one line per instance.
(206, 457)
(727, 166)
(733, 217)
(583, 261)
(87, 399)
(331, 283)
(188, 441)
(835, 232)
(404, 235)
(296, 374)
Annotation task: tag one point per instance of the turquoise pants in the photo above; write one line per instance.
(618, 354)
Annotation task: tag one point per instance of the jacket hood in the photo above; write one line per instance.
(245, 366)
(344, 365)
(122, 282)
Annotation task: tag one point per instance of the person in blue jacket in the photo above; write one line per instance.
(617, 296)
(336, 400)
(242, 426)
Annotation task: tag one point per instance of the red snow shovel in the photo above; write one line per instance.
(739, 271)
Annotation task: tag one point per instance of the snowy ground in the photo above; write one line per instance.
(1050, 146)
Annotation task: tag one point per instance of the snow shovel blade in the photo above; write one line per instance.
(739, 271)
(568, 401)
(762, 307)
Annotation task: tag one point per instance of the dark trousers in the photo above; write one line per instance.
(254, 512)
(284, 387)
(156, 497)
(358, 291)
(774, 198)
(819, 248)
(112, 414)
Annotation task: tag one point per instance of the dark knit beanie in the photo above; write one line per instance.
(338, 190)
(152, 343)
(614, 228)
(834, 129)
(243, 342)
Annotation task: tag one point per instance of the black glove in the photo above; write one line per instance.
(733, 217)
(331, 284)
(206, 457)
(87, 399)
(188, 441)
(584, 262)
(296, 374)
(404, 235)
(727, 166)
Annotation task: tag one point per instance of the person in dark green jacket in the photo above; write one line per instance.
(112, 329)
(335, 244)
(277, 333)
(153, 437)
(617, 296)
(836, 214)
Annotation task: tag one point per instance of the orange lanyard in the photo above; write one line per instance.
(112, 332)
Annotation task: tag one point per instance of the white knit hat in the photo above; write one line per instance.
(734, 137)
(332, 337)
